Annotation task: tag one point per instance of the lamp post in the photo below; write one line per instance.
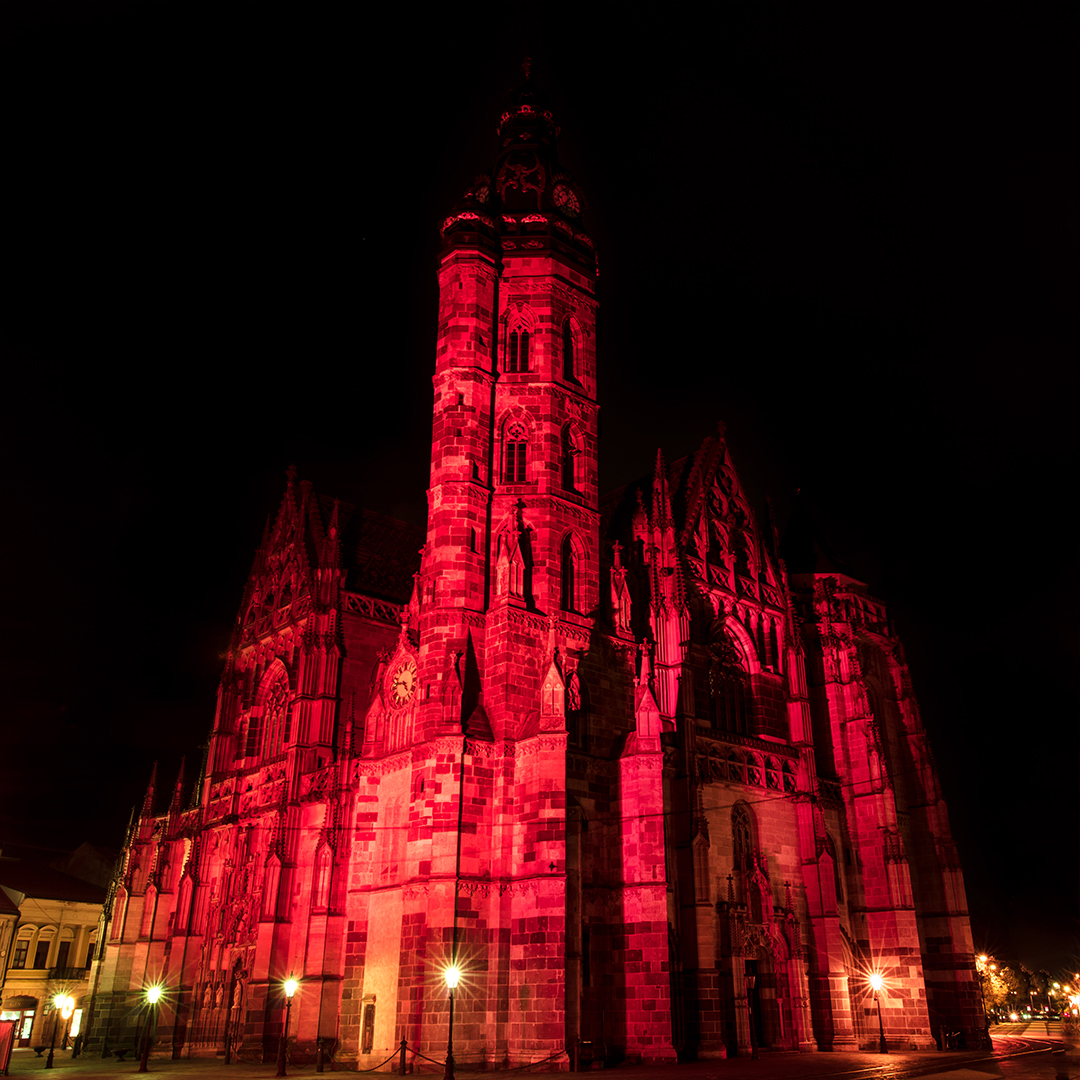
(153, 996)
(877, 982)
(290, 988)
(452, 977)
(62, 1006)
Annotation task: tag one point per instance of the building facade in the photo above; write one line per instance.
(653, 795)
(49, 927)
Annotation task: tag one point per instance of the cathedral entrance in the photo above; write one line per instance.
(769, 996)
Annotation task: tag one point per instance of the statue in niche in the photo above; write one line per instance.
(573, 693)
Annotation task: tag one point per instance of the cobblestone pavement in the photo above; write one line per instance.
(1013, 1059)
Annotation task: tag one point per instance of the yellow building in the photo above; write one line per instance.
(48, 929)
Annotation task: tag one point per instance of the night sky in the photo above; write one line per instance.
(846, 230)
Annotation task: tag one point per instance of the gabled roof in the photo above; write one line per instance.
(44, 883)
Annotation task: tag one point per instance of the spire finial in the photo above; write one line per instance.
(526, 67)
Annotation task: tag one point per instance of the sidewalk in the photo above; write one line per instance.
(926, 1064)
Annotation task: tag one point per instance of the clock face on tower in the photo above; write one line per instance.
(401, 683)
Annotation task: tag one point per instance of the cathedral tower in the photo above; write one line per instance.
(503, 608)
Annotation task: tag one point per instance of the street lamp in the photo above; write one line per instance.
(62, 1006)
(153, 996)
(877, 982)
(290, 988)
(452, 975)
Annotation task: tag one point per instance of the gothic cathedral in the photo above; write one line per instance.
(649, 793)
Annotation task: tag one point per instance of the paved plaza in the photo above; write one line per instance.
(1013, 1059)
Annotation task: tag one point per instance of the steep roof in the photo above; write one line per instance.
(381, 554)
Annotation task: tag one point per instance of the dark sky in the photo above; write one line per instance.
(846, 230)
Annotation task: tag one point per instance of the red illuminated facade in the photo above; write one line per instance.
(653, 795)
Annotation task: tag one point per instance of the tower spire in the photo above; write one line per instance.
(148, 798)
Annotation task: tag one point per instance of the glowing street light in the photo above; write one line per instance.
(877, 982)
(153, 996)
(452, 976)
(64, 1006)
(289, 989)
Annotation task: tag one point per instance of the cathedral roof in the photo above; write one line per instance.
(380, 554)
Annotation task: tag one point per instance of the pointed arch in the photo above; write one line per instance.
(742, 836)
(146, 927)
(571, 573)
(519, 325)
(729, 684)
(516, 436)
(274, 711)
(182, 917)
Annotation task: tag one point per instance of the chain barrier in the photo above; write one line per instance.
(375, 1068)
(400, 1053)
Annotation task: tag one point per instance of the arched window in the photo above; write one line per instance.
(729, 691)
(568, 350)
(514, 453)
(276, 719)
(742, 836)
(517, 349)
(569, 575)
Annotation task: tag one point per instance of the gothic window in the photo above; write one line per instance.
(742, 836)
(276, 720)
(514, 445)
(569, 576)
(729, 690)
(568, 350)
(729, 694)
(517, 349)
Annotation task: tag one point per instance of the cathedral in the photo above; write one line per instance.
(650, 792)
